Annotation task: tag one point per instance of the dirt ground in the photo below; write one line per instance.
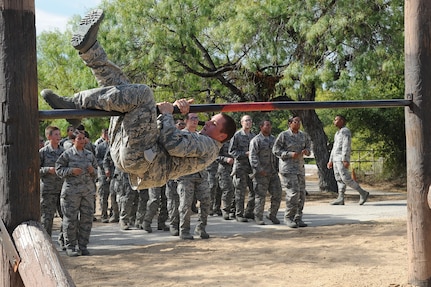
(356, 255)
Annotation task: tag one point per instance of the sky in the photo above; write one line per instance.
(54, 14)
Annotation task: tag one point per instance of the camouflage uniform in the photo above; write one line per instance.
(215, 194)
(127, 199)
(150, 148)
(102, 181)
(77, 196)
(50, 186)
(188, 186)
(108, 166)
(263, 160)
(292, 171)
(239, 145)
(173, 202)
(341, 152)
(141, 208)
(156, 201)
(224, 172)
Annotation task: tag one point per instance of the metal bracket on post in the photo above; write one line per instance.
(409, 97)
(9, 247)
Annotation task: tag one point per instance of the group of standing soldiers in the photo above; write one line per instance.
(248, 163)
(261, 164)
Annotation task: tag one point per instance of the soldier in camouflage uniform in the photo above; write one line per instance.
(340, 161)
(172, 197)
(127, 199)
(112, 177)
(172, 204)
(147, 146)
(290, 147)
(224, 171)
(264, 165)
(141, 208)
(241, 170)
(156, 201)
(70, 130)
(215, 194)
(78, 167)
(50, 183)
(102, 180)
(195, 184)
(103, 137)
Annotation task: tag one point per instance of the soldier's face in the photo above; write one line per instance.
(246, 122)
(79, 141)
(338, 122)
(55, 136)
(266, 128)
(295, 125)
(213, 128)
(192, 121)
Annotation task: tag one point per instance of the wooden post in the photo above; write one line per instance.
(418, 136)
(19, 168)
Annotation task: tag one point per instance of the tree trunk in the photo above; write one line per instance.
(314, 127)
(19, 161)
(418, 136)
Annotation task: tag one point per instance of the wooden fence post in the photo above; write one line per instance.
(19, 168)
(418, 136)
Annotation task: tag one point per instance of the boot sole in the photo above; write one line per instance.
(88, 28)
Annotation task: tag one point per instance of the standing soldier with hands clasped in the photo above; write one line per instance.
(78, 167)
(241, 170)
(339, 160)
(264, 165)
(290, 147)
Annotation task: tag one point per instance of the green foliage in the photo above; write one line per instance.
(231, 51)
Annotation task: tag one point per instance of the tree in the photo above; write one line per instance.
(224, 51)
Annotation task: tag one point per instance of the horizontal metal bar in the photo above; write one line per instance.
(238, 107)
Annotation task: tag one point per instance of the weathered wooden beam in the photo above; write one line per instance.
(418, 136)
(40, 265)
(239, 107)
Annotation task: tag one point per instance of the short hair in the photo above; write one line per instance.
(50, 129)
(76, 133)
(290, 120)
(343, 118)
(262, 122)
(229, 127)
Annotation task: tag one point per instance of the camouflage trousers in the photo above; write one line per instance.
(172, 203)
(114, 186)
(141, 208)
(49, 204)
(343, 178)
(187, 188)
(127, 200)
(226, 187)
(133, 135)
(215, 193)
(156, 203)
(262, 185)
(294, 187)
(242, 181)
(78, 207)
(103, 191)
